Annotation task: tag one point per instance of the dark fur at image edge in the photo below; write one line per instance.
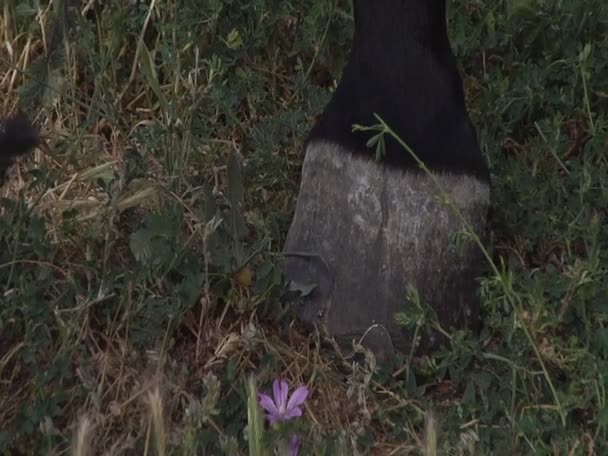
(17, 137)
(410, 78)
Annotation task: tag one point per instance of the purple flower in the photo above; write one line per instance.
(294, 445)
(280, 409)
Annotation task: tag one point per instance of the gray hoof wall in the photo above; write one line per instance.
(363, 232)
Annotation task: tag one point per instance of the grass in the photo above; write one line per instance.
(138, 260)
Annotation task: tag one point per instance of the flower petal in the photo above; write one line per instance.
(298, 397)
(280, 389)
(292, 413)
(294, 445)
(267, 404)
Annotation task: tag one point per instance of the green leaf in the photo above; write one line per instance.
(210, 207)
(149, 70)
(234, 40)
(255, 420)
(235, 197)
(603, 417)
(235, 181)
(469, 394)
(139, 243)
